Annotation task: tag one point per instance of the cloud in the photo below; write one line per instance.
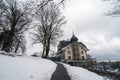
(99, 32)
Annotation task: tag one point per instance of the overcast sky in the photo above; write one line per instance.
(100, 33)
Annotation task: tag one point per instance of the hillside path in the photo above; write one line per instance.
(60, 73)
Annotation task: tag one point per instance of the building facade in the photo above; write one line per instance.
(73, 52)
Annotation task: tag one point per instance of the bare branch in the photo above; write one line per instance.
(49, 29)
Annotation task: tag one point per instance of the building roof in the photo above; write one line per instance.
(73, 38)
(62, 44)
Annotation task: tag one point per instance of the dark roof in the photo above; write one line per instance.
(63, 44)
(73, 38)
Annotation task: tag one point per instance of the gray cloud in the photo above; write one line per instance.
(99, 32)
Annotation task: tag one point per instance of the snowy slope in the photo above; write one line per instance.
(25, 68)
(33, 68)
(78, 73)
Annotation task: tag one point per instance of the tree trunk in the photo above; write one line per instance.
(43, 53)
(47, 48)
(16, 49)
(8, 41)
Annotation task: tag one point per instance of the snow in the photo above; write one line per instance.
(17, 67)
(78, 73)
(11, 54)
(25, 68)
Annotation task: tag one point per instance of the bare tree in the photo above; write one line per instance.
(14, 24)
(49, 29)
(1, 12)
(34, 5)
(0, 8)
(115, 11)
(45, 2)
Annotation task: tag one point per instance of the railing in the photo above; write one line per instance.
(81, 60)
(108, 74)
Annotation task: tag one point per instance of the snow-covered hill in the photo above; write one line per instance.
(25, 68)
(78, 73)
(32, 68)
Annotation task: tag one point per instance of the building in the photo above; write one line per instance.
(73, 52)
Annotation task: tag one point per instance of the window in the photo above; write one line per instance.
(78, 54)
(78, 58)
(68, 52)
(69, 57)
(68, 48)
(83, 58)
(82, 52)
(73, 49)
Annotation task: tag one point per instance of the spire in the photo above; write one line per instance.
(73, 38)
